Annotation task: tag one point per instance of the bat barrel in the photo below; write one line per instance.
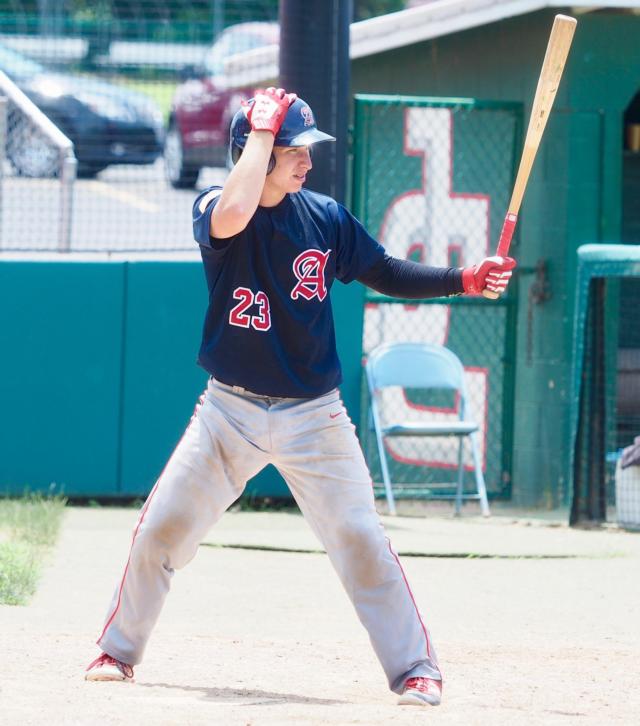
(548, 82)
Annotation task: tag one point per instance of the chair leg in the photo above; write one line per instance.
(375, 420)
(480, 484)
(386, 478)
(458, 508)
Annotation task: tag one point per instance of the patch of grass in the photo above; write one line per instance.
(120, 503)
(19, 572)
(34, 519)
(251, 503)
(28, 528)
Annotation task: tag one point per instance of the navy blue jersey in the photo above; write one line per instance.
(269, 326)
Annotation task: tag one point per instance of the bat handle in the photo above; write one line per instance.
(490, 295)
(506, 234)
(503, 245)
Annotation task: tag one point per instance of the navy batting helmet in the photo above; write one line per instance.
(298, 129)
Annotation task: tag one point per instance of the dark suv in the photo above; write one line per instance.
(203, 106)
(107, 123)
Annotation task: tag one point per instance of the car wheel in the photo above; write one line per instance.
(89, 171)
(32, 154)
(179, 174)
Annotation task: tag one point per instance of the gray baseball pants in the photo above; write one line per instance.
(232, 435)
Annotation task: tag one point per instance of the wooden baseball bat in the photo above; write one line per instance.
(552, 67)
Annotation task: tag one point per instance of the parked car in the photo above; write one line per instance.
(108, 124)
(203, 106)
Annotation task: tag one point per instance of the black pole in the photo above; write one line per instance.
(314, 63)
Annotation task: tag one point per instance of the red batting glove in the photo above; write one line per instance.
(269, 108)
(492, 274)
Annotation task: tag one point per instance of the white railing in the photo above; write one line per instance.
(14, 103)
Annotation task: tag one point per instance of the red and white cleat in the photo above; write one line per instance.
(421, 692)
(106, 668)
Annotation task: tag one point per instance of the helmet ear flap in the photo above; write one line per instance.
(236, 153)
(272, 164)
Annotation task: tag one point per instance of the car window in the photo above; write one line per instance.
(229, 44)
(16, 65)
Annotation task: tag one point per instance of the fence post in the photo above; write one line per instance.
(4, 103)
(68, 170)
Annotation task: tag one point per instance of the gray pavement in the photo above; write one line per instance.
(124, 208)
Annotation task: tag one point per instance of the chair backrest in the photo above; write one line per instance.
(415, 365)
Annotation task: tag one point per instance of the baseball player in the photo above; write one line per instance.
(271, 251)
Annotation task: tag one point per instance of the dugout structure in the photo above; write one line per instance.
(605, 401)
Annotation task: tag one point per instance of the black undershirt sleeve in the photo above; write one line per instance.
(411, 280)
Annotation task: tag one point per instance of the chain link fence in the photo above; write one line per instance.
(140, 91)
(432, 180)
(31, 142)
(606, 380)
(627, 395)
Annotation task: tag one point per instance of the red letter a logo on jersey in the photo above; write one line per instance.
(308, 267)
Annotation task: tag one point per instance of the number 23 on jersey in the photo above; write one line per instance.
(239, 315)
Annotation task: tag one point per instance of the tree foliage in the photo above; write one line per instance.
(364, 9)
(168, 10)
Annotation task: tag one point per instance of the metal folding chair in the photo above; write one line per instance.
(422, 366)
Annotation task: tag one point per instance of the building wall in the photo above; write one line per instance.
(574, 195)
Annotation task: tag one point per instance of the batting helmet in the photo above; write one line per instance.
(298, 129)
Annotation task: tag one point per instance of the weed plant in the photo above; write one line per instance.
(29, 526)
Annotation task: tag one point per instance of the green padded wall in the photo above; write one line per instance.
(165, 305)
(98, 374)
(60, 376)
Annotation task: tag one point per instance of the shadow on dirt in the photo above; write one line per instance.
(245, 696)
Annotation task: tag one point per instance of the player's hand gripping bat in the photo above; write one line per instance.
(552, 67)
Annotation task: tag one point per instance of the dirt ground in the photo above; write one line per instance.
(252, 637)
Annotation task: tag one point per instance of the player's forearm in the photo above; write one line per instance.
(243, 187)
(406, 279)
